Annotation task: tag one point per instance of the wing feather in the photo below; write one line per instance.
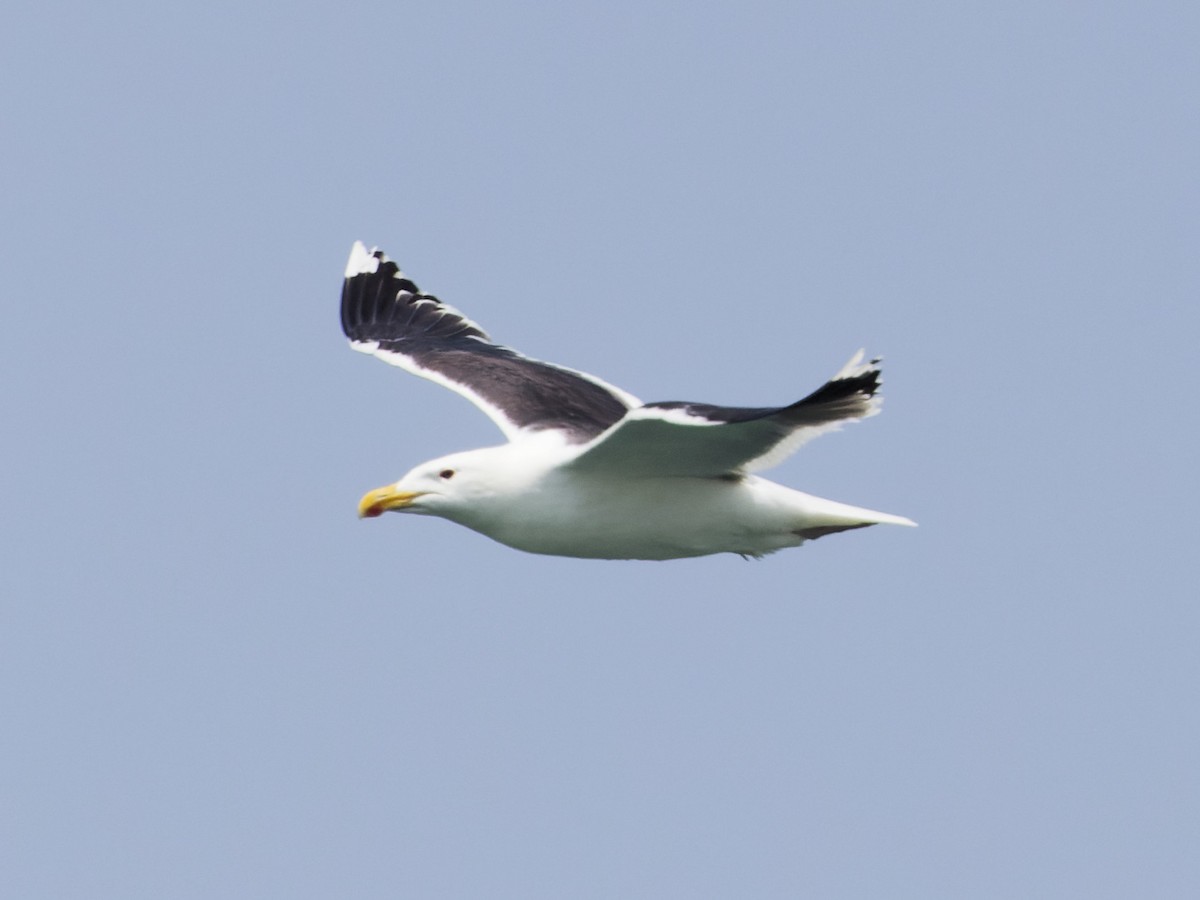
(385, 314)
(702, 440)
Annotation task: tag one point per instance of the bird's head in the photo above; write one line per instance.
(428, 489)
(457, 487)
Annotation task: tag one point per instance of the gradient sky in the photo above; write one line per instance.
(216, 682)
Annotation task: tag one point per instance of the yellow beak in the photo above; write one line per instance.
(377, 502)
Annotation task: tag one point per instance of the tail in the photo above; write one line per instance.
(824, 517)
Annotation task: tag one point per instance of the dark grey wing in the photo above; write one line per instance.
(385, 314)
(701, 440)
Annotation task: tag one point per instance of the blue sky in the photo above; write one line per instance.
(216, 681)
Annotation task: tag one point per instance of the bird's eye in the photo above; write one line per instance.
(446, 474)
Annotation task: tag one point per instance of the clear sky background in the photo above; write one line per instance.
(217, 682)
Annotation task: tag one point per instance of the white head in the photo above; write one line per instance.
(462, 487)
(433, 488)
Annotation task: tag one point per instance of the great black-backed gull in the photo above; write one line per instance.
(589, 470)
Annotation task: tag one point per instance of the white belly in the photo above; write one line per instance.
(647, 518)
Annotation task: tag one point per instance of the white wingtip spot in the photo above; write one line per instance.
(856, 366)
(361, 261)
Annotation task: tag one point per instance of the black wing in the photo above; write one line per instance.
(385, 314)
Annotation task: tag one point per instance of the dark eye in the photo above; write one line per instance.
(446, 474)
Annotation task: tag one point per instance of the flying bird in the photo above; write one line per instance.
(589, 470)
